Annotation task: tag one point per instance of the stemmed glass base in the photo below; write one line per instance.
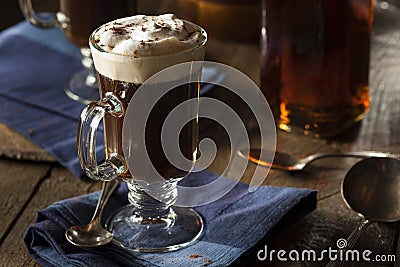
(148, 225)
(155, 235)
(82, 86)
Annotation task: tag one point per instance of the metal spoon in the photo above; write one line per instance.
(371, 188)
(93, 234)
(286, 162)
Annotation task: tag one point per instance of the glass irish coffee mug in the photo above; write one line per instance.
(315, 63)
(148, 223)
(78, 19)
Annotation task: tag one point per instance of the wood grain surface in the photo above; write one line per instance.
(30, 180)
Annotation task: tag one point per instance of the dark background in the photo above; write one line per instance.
(11, 14)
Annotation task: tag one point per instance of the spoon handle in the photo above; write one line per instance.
(108, 189)
(349, 244)
(354, 154)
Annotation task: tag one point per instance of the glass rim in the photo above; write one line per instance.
(101, 50)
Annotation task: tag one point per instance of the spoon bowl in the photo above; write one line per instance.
(372, 189)
(89, 235)
(93, 234)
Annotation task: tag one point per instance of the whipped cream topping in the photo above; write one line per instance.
(143, 36)
(133, 49)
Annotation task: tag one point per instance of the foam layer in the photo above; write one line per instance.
(133, 49)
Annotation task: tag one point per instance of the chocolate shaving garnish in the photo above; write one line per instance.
(161, 23)
(124, 30)
(189, 36)
(119, 30)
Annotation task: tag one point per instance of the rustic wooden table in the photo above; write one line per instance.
(30, 179)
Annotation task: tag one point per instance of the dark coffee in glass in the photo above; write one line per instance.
(128, 55)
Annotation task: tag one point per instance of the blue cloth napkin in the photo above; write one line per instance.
(234, 224)
(34, 67)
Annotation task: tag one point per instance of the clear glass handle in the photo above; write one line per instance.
(89, 121)
(33, 17)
